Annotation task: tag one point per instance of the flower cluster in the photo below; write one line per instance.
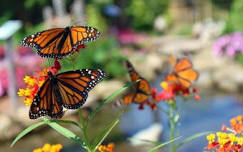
(170, 90)
(231, 141)
(108, 148)
(229, 44)
(226, 142)
(152, 104)
(49, 148)
(35, 82)
(237, 124)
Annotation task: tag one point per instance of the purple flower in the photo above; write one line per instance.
(229, 44)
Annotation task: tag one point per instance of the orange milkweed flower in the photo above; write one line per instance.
(108, 148)
(230, 141)
(237, 124)
(49, 148)
(33, 83)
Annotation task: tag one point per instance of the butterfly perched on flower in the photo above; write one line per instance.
(60, 42)
(141, 85)
(69, 89)
(183, 73)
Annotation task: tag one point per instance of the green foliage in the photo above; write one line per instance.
(26, 131)
(29, 11)
(235, 21)
(107, 100)
(195, 136)
(223, 4)
(85, 142)
(30, 4)
(105, 54)
(104, 133)
(159, 146)
(95, 18)
(144, 12)
(239, 58)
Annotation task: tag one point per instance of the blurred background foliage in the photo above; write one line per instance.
(107, 15)
(143, 13)
(139, 15)
(235, 20)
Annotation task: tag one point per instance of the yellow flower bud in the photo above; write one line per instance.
(164, 84)
(21, 92)
(46, 147)
(27, 92)
(27, 101)
(37, 150)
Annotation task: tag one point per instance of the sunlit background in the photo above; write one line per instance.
(147, 33)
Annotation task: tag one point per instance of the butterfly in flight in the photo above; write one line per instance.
(183, 73)
(141, 85)
(69, 89)
(60, 42)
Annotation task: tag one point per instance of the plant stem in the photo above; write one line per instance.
(172, 128)
(84, 131)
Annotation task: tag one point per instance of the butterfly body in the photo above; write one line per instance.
(69, 89)
(60, 42)
(141, 85)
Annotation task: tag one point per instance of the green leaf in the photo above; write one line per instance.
(163, 144)
(107, 100)
(104, 133)
(189, 139)
(67, 122)
(27, 130)
(81, 118)
(67, 133)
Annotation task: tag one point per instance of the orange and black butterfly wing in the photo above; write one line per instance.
(60, 42)
(186, 77)
(128, 99)
(171, 78)
(132, 72)
(183, 73)
(83, 34)
(75, 85)
(142, 87)
(46, 102)
(46, 42)
(182, 64)
(134, 97)
(140, 98)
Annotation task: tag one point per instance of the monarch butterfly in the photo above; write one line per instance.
(183, 73)
(69, 89)
(142, 87)
(60, 42)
